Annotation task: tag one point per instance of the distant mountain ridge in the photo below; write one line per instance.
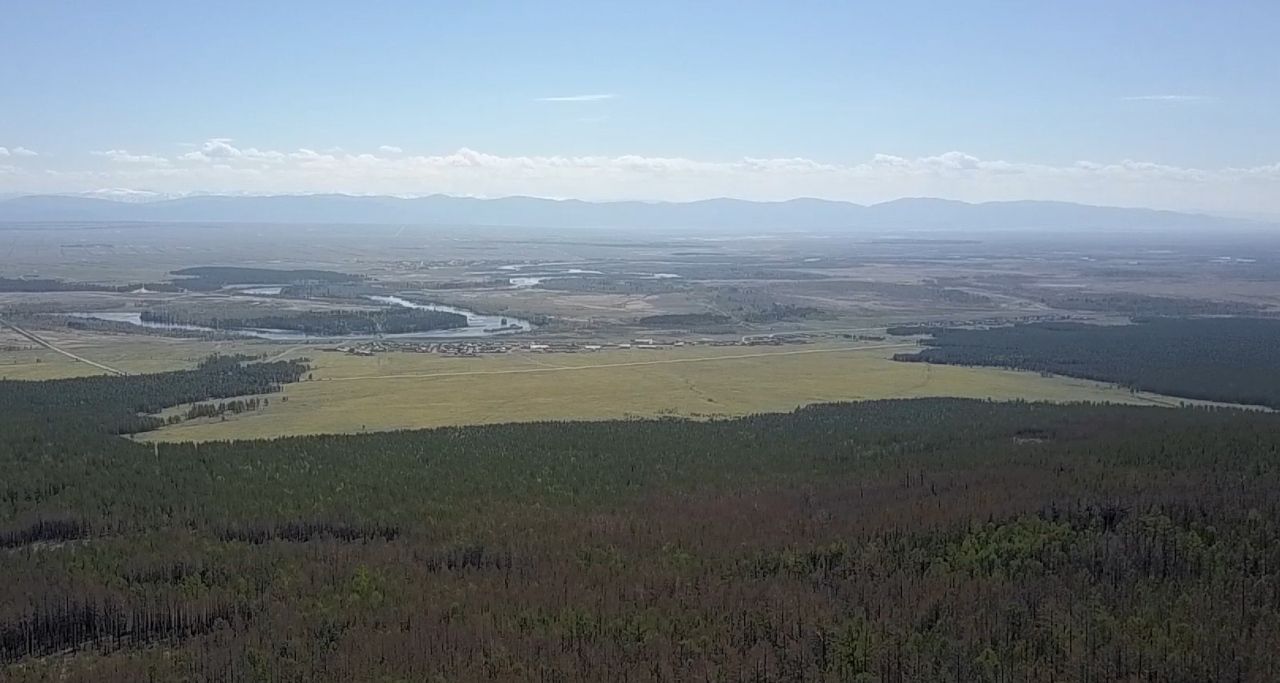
(796, 214)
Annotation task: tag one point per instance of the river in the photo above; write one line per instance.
(477, 325)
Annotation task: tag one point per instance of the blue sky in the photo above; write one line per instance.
(1130, 102)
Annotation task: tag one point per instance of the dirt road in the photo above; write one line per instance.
(49, 345)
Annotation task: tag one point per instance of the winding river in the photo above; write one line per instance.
(477, 325)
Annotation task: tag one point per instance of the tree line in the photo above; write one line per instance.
(234, 406)
(318, 323)
(1217, 359)
(216, 277)
(122, 405)
(51, 285)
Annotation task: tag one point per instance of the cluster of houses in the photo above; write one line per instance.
(466, 348)
(478, 347)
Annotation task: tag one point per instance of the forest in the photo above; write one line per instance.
(1232, 360)
(759, 305)
(28, 285)
(234, 406)
(929, 291)
(907, 540)
(216, 277)
(200, 278)
(316, 322)
(683, 319)
(1145, 305)
(122, 405)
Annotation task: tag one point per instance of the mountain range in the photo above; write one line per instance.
(796, 214)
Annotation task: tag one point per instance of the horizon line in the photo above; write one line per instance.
(161, 197)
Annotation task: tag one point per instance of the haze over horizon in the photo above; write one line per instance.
(1136, 105)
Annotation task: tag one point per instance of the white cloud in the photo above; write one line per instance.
(16, 152)
(390, 149)
(124, 157)
(219, 165)
(221, 149)
(579, 98)
(1168, 98)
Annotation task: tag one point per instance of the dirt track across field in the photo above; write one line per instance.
(49, 345)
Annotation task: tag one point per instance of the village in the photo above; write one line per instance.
(477, 347)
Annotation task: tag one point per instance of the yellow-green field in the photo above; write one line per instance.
(405, 390)
(23, 359)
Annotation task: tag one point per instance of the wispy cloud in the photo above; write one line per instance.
(126, 157)
(579, 98)
(1168, 98)
(16, 152)
(390, 149)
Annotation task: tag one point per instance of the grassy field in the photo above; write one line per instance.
(402, 390)
(23, 359)
(407, 390)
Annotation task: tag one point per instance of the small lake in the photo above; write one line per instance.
(477, 325)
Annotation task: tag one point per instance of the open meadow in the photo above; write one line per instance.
(346, 393)
(406, 390)
(134, 354)
(839, 294)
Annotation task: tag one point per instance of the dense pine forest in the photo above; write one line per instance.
(1233, 360)
(319, 323)
(201, 278)
(913, 540)
(1145, 305)
(49, 285)
(215, 277)
(683, 319)
(121, 405)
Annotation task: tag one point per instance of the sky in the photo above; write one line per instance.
(1168, 103)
